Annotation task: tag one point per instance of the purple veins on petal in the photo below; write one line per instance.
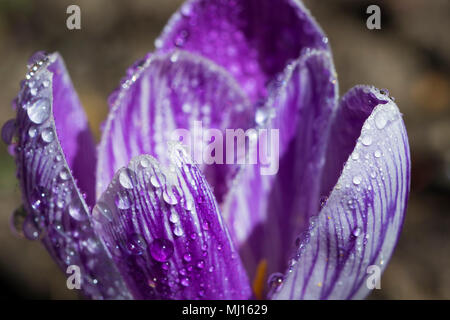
(358, 226)
(53, 149)
(170, 264)
(266, 213)
(169, 94)
(257, 38)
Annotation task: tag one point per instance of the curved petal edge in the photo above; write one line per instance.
(358, 227)
(57, 213)
(162, 226)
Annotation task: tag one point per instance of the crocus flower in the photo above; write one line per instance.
(141, 220)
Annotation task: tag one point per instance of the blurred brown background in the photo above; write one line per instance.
(410, 56)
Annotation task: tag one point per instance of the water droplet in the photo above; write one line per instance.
(380, 120)
(185, 282)
(174, 57)
(122, 201)
(31, 230)
(32, 132)
(144, 163)
(155, 182)
(174, 218)
(188, 204)
(355, 156)
(260, 116)
(357, 179)
(92, 245)
(366, 140)
(64, 174)
(200, 264)
(39, 110)
(102, 213)
(178, 231)
(356, 232)
(136, 245)
(124, 179)
(38, 197)
(36, 58)
(187, 257)
(186, 107)
(47, 135)
(76, 211)
(275, 280)
(8, 131)
(377, 154)
(169, 198)
(161, 249)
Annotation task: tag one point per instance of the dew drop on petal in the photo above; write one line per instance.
(188, 204)
(187, 257)
(170, 198)
(174, 218)
(47, 135)
(144, 163)
(30, 229)
(185, 282)
(161, 249)
(356, 232)
(186, 107)
(64, 174)
(275, 280)
(380, 120)
(377, 154)
(136, 245)
(124, 179)
(122, 201)
(154, 181)
(260, 116)
(357, 179)
(32, 132)
(39, 110)
(101, 212)
(178, 231)
(200, 264)
(366, 140)
(76, 211)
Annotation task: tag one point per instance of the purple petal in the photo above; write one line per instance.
(51, 124)
(169, 92)
(357, 229)
(266, 213)
(163, 228)
(255, 44)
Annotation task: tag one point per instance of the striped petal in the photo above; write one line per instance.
(358, 227)
(266, 212)
(252, 39)
(164, 94)
(163, 228)
(54, 151)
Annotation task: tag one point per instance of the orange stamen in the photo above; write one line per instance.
(260, 279)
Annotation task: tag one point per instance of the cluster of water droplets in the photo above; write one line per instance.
(54, 211)
(363, 172)
(149, 213)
